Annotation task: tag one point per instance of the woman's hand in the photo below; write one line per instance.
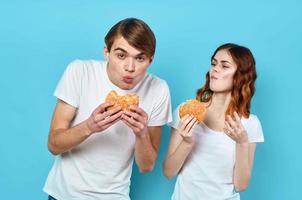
(185, 128)
(235, 130)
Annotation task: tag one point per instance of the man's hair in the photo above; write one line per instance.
(136, 32)
(243, 80)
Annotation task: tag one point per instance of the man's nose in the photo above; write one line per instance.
(130, 65)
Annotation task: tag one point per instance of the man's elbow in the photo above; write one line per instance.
(242, 186)
(54, 151)
(146, 169)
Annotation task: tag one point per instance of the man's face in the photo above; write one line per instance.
(126, 65)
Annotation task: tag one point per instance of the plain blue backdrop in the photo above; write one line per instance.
(39, 38)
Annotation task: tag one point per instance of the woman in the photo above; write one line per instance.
(214, 159)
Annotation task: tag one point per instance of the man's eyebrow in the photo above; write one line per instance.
(120, 49)
(141, 54)
(123, 50)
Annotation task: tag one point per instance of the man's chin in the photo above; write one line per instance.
(127, 86)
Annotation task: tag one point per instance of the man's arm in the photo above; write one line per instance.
(63, 138)
(147, 139)
(146, 148)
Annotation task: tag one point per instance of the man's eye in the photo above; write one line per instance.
(140, 59)
(121, 56)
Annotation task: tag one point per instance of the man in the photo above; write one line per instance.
(96, 146)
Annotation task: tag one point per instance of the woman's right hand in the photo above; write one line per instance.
(102, 119)
(185, 128)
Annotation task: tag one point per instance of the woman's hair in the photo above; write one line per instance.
(243, 80)
(137, 33)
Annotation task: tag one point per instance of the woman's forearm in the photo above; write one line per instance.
(242, 171)
(175, 161)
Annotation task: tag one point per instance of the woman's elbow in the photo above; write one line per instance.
(167, 173)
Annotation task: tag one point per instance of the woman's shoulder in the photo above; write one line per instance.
(253, 127)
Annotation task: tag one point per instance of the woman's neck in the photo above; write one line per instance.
(220, 102)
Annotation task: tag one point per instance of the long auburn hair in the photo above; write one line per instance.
(243, 80)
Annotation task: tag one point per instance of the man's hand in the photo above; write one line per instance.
(136, 118)
(100, 119)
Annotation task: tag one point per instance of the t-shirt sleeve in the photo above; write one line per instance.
(69, 86)
(176, 118)
(161, 114)
(254, 130)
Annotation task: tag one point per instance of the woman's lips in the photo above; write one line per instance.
(214, 77)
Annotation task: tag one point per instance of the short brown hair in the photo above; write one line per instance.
(137, 33)
(243, 81)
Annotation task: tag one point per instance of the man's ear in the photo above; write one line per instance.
(151, 59)
(106, 53)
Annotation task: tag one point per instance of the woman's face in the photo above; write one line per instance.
(222, 72)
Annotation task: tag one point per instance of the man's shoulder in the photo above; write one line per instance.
(155, 81)
(79, 64)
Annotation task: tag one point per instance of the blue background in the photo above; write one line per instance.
(39, 38)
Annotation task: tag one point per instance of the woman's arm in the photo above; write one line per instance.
(244, 152)
(243, 165)
(181, 144)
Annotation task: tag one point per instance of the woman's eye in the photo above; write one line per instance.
(225, 67)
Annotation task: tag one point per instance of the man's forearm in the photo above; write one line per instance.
(61, 140)
(145, 153)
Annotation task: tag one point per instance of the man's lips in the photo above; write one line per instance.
(127, 79)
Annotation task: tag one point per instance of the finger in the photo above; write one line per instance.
(231, 121)
(102, 107)
(187, 121)
(236, 116)
(132, 114)
(111, 112)
(190, 125)
(111, 123)
(110, 119)
(181, 124)
(138, 110)
(229, 135)
(127, 123)
(228, 128)
(135, 129)
(133, 122)
(114, 110)
(194, 125)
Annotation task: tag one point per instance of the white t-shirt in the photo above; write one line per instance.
(100, 167)
(207, 173)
